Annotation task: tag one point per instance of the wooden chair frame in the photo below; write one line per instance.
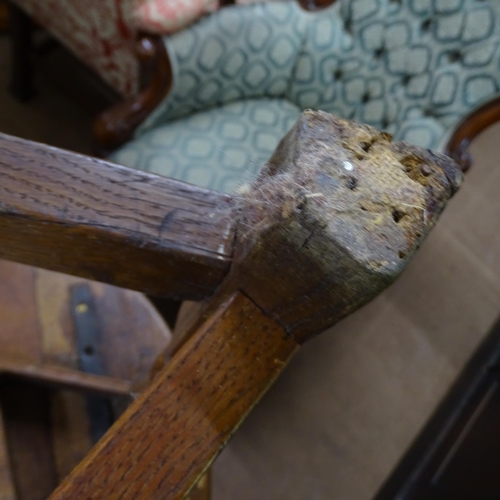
(94, 219)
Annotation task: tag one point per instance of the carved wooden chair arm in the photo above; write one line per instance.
(470, 127)
(332, 220)
(116, 125)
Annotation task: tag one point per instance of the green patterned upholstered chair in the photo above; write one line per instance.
(241, 77)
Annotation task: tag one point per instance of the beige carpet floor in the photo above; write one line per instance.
(352, 400)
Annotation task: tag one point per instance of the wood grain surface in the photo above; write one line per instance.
(90, 218)
(190, 410)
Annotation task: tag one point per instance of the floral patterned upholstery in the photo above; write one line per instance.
(161, 16)
(97, 32)
(102, 32)
(411, 67)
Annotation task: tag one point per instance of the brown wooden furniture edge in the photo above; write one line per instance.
(65, 377)
(413, 477)
(471, 126)
(131, 229)
(116, 125)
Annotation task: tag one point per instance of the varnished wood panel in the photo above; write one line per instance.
(457, 454)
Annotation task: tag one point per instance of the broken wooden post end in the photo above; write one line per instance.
(333, 218)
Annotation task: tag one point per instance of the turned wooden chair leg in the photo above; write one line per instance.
(21, 78)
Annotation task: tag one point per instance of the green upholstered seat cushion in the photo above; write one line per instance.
(236, 54)
(220, 148)
(381, 62)
(411, 67)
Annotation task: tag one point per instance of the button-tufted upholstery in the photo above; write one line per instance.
(241, 76)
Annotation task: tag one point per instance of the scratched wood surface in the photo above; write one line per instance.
(71, 213)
